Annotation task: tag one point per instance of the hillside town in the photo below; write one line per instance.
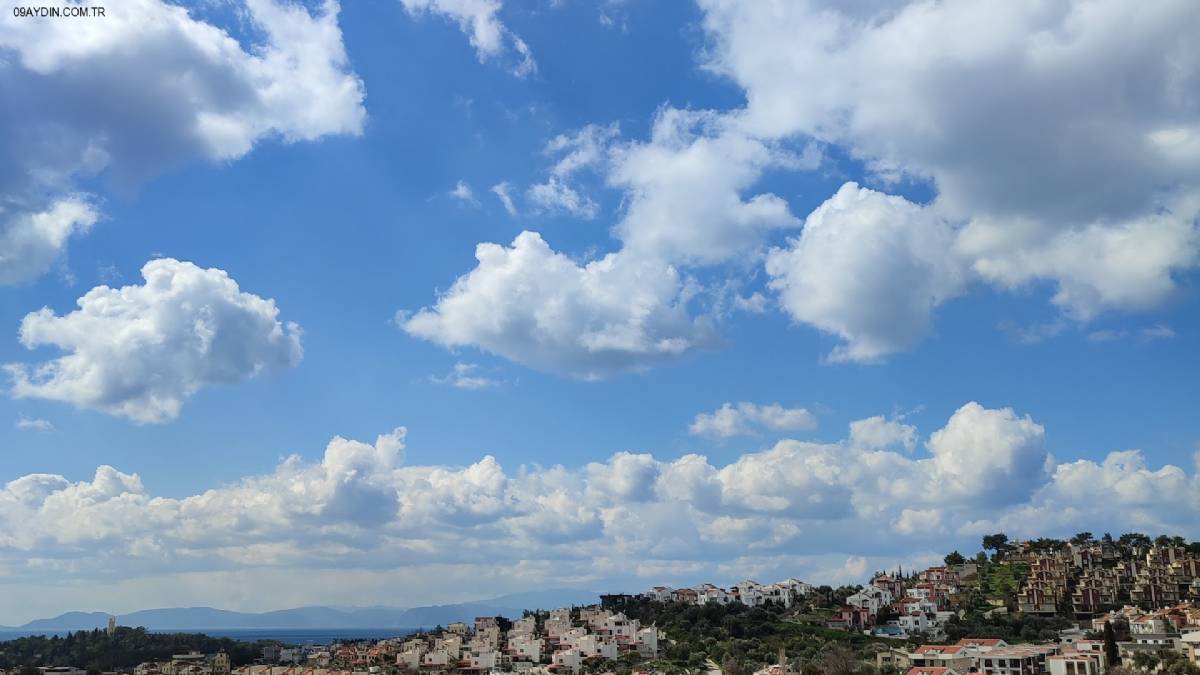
(559, 641)
(1086, 606)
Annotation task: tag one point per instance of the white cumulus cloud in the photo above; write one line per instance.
(141, 351)
(869, 268)
(200, 95)
(812, 508)
(1079, 169)
(535, 306)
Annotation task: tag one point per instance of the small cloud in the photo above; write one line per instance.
(503, 192)
(1159, 331)
(555, 196)
(1156, 332)
(463, 193)
(525, 65)
(463, 376)
(66, 276)
(109, 274)
(1032, 334)
(755, 303)
(744, 418)
(32, 424)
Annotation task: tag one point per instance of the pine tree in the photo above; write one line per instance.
(1110, 645)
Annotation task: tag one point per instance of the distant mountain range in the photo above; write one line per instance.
(208, 618)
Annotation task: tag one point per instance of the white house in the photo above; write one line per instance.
(1072, 664)
(660, 593)
(525, 648)
(437, 657)
(917, 622)
(568, 659)
(647, 642)
(871, 599)
(709, 593)
(481, 661)
(749, 592)
(621, 627)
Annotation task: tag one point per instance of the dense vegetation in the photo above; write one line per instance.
(127, 647)
(1012, 628)
(740, 639)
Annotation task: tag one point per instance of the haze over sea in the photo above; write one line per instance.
(298, 636)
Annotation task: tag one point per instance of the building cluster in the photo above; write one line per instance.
(191, 663)
(1081, 579)
(990, 656)
(917, 605)
(1173, 629)
(561, 641)
(1170, 629)
(750, 593)
(921, 603)
(1084, 578)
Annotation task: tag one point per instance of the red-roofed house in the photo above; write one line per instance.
(946, 656)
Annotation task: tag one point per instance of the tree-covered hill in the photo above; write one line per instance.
(127, 647)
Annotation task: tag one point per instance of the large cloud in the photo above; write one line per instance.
(141, 351)
(1061, 138)
(686, 188)
(1070, 111)
(629, 521)
(686, 208)
(148, 87)
(869, 268)
(990, 455)
(535, 306)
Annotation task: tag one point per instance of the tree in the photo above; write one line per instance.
(1111, 652)
(998, 543)
(995, 542)
(731, 666)
(1134, 540)
(1145, 661)
(955, 558)
(838, 660)
(1082, 538)
(1181, 667)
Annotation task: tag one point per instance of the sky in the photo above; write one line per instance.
(404, 302)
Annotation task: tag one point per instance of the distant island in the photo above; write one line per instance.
(208, 618)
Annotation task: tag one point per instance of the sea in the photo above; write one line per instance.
(290, 636)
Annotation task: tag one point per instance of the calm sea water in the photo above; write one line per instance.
(294, 636)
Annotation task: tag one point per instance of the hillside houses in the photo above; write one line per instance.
(1085, 578)
(749, 592)
(563, 640)
(990, 656)
(191, 663)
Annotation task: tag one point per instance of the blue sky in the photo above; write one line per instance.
(1040, 264)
